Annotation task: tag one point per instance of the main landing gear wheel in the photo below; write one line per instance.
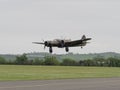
(66, 49)
(50, 50)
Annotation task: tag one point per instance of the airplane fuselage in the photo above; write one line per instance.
(65, 43)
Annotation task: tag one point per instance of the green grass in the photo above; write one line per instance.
(22, 72)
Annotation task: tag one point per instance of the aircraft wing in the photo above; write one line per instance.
(38, 42)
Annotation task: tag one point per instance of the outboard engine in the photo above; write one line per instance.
(46, 43)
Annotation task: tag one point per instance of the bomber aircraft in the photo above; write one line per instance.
(64, 43)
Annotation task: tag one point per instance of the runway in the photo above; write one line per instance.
(71, 84)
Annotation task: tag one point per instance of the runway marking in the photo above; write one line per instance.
(28, 86)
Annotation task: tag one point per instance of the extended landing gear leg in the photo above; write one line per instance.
(50, 50)
(66, 49)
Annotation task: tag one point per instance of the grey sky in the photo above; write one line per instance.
(25, 21)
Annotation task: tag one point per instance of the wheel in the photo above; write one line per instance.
(50, 50)
(66, 49)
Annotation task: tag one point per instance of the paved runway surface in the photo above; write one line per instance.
(72, 84)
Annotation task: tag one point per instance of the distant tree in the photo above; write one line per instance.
(89, 62)
(29, 62)
(99, 61)
(37, 61)
(10, 62)
(2, 60)
(113, 62)
(51, 60)
(81, 63)
(86, 62)
(69, 62)
(22, 60)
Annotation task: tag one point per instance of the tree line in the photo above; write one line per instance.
(51, 60)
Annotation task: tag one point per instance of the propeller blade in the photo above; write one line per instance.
(44, 43)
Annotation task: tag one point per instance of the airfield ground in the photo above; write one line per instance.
(69, 84)
(27, 72)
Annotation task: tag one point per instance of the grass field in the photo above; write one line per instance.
(14, 72)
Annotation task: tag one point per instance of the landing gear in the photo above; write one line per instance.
(66, 49)
(50, 50)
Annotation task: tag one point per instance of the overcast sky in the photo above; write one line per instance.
(25, 21)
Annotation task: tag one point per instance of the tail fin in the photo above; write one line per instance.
(83, 37)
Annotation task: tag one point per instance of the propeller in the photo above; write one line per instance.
(63, 39)
(45, 43)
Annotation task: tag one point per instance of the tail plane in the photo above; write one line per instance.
(84, 38)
